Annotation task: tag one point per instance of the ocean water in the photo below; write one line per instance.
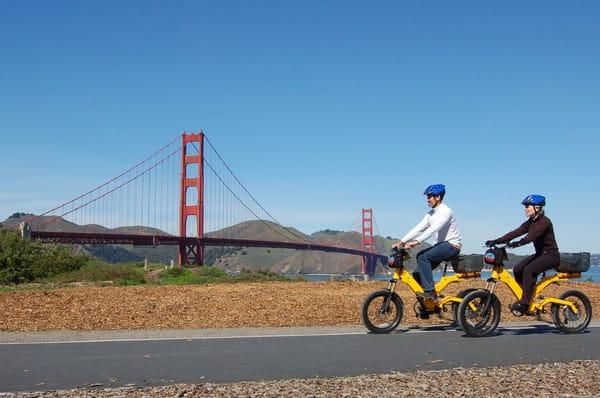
(593, 275)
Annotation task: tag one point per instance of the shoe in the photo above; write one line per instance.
(428, 295)
(519, 307)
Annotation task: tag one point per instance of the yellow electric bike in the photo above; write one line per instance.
(382, 310)
(479, 311)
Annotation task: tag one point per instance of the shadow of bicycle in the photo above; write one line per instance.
(527, 330)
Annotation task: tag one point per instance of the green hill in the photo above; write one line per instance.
(230, 258)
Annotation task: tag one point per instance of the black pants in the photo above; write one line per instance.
(527, 271)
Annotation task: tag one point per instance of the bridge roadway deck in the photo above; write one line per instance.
(63, 360)
(156, 240)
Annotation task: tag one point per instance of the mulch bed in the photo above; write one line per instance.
(273, 304)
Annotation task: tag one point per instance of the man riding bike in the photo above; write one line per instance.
(440, 223)
(540, 231)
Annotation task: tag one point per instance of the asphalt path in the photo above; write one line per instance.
(35, 366)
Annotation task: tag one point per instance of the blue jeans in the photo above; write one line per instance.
(430, 258)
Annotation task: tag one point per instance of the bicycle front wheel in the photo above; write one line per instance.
(382, 311)
(479, 313)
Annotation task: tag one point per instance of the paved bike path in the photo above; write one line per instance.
(345, 352)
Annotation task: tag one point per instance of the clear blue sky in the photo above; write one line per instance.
(321, 107)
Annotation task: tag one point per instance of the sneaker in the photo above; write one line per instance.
(428, 295)
(519, 307)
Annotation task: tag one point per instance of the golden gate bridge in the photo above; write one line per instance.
(183, 195)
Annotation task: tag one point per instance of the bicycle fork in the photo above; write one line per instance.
(385, 306)
(490, 286)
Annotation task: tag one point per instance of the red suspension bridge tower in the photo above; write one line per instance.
(367, 235)
(192, 178)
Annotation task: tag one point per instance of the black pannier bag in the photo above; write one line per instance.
(574, 262)
(469, 263)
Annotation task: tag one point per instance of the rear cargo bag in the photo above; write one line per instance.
(468, 263)
(574, 262)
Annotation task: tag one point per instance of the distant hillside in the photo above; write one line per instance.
(235, 258)
(108, 253)
(230, 258)
(300, 261)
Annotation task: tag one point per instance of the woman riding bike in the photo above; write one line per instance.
(540, 231)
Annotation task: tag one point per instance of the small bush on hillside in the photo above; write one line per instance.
(185, 276)
(259, 276)
(207, 275)
(96, 271)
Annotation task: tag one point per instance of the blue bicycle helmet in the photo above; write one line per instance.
(435, 190)
(535, 200)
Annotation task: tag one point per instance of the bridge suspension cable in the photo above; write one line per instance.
(282, 231)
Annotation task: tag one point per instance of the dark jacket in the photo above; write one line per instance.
(539, 231)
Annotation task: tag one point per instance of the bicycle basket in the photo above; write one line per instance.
(494, 256)
(574, 262)
(468, 263)
(397, 258)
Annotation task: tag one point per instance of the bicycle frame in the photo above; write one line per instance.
(499, 273)
(402, 275)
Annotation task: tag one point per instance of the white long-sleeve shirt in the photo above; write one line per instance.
(439, 222)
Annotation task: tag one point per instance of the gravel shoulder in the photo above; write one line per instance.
(573, 379)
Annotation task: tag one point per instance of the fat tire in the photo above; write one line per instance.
(454, 307)
(560, 322)
(395, 303)
(490, 323)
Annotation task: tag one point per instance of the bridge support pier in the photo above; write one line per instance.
(191, 253)
(25, 230)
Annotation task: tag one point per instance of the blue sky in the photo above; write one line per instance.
(321, 107)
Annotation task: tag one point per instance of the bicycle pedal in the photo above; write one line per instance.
(516, 313)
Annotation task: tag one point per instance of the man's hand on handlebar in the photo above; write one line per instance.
(411, 243)
(398, 245)
(490, 243)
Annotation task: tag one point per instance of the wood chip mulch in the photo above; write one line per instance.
(573, 379)
(274, 304)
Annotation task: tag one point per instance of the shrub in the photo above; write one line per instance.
(177, 276)
(25, 261)
(96, 271)
(259, 276)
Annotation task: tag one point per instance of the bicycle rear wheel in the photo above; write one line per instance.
(382, 311)
(568, 321)
(460, 295)
(474, 318)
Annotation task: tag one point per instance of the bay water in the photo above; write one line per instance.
(593, 275)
